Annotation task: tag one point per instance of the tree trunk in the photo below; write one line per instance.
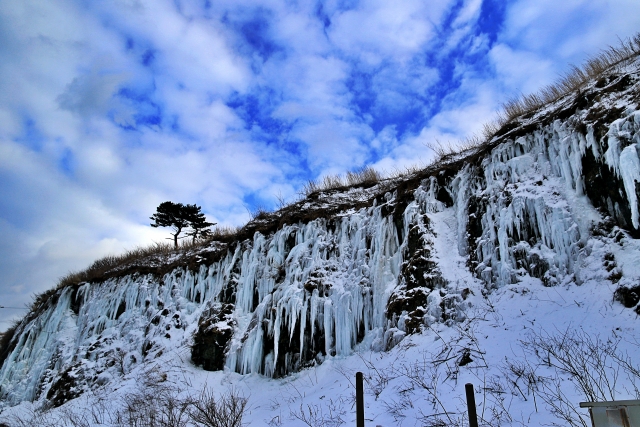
(175, 237)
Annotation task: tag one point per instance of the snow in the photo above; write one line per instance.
(497, 326)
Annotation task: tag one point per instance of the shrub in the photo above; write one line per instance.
(225, 411)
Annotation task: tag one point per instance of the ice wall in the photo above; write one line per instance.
(306, 292)
(362, 277)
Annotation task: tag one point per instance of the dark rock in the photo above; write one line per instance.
(215, 329)
(465, 357)
(627, 296)
(65, 387)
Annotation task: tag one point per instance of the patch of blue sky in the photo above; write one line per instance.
(253, 28)
(255, 109)
(174, 123)
(142, 49)
(17, 200)
(389, 95)
(254, 202)
(491, 19)
(293, 159)
(147, 111)
(450, 60)
(147, 57)
(130, 43)
(299, 162)
(67, 162)
(379, 103)
(363, 96)
(344, 5)
(31, 136)
(321, 14)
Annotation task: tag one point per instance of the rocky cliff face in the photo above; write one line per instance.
(360, 267)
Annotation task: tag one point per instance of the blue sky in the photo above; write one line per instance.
(108, 109)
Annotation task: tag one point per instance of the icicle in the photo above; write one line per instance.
(630, 171)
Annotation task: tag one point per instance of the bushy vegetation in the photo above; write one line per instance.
(155, 402)
(574, 81)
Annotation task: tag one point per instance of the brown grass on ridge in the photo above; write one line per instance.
(573, 81)
(364, 176)
(157, 251)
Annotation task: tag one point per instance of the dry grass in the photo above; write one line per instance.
(574, 80)
(365, 176)
(161, 252)
(260, 212)
(153, 403)
(156, 252)
(407, 171)
(223, 233)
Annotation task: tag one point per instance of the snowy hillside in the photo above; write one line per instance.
(494, 266)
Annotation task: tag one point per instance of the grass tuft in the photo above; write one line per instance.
(364, 177)
(575, 80)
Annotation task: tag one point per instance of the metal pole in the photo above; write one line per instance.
(359, 400)
(471, 405)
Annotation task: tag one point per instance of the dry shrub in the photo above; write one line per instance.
(594, 366)
(155, 402)
(260, 212)
(363, 176)
(154, 407)
(226, 411)
(223, 233)
(33, 418)
(333, 414)
(329, 182)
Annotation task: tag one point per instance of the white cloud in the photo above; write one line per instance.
(92, 94)
(569, 31)
(377, 30)
(520, 71)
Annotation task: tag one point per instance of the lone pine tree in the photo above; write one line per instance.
(179, 217)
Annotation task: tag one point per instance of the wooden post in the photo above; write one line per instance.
(359, 400)
(471, 405)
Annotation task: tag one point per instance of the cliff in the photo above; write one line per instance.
(552, 198)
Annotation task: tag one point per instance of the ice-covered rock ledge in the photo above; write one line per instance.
(362, 268)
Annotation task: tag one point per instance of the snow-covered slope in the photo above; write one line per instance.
(424, 281)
